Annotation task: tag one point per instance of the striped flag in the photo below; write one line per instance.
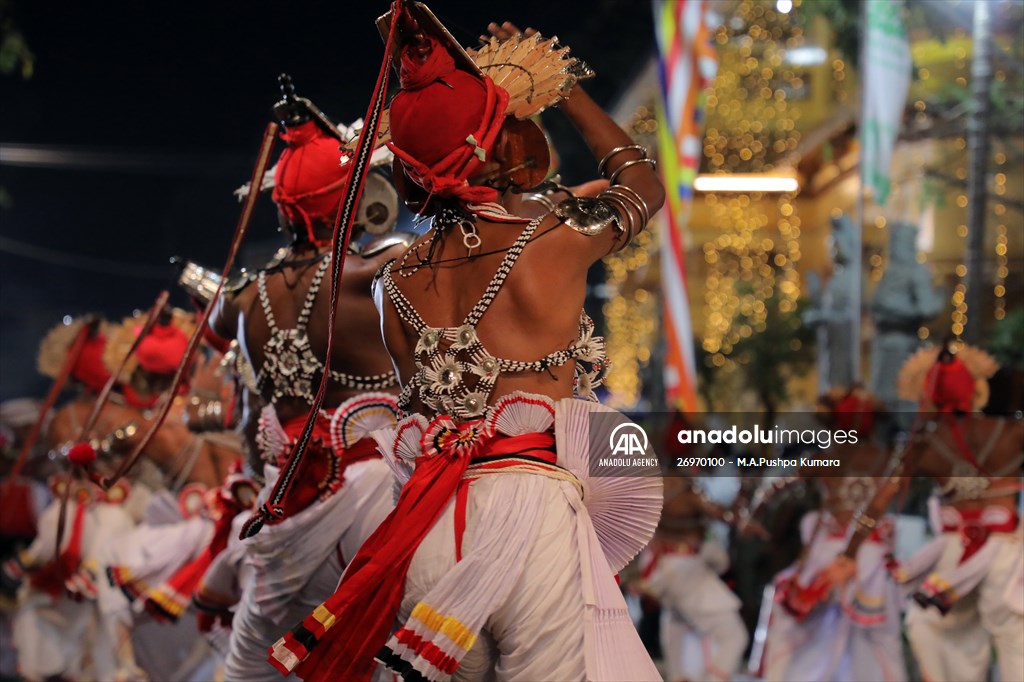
(687, 65)
(887, 70)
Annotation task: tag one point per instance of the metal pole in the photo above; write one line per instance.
(977, 176)
(858, 228)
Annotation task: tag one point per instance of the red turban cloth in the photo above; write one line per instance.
(444, 123)
(950, 386)
(89, 369)
(854, 412)
(162, 349)
(310, 180)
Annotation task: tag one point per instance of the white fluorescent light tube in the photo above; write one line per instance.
(805, 56)
(744, 183)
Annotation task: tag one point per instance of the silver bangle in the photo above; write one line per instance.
(613, 178)
(622, 229)
(627, 191)
(639, 207)
(542, 200)
(608, 157)
(866, 523)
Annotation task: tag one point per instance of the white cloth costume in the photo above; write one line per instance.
(136, 560)
(535, 563)
(296, 564)
(59, 635)
(988, 601)
(850, 637)
(702, 634)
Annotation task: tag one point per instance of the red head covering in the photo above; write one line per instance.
(950, 386)
(855, 412)
(444, 123)
(162, 349)
(310, 180)
(89, 369)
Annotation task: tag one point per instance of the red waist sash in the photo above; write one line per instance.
(321, 471)
(974, 528)
(339, 640)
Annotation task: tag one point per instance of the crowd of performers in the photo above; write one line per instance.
(377, 465)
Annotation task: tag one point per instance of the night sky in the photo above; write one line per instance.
(155, 111)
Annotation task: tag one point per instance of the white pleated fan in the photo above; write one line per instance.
(624, 509)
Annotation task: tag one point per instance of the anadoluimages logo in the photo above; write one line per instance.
(627, 440)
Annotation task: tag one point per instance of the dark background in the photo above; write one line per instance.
(154, 113)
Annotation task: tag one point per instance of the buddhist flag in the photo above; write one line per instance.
(887, 66)
(687, 65)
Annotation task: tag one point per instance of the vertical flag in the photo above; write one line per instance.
(886, 65)
(687, 65)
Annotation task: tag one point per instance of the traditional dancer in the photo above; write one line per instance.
(170, 537)
(816, 634)
(969, 581)
(702, 634)
(181, 456)
(343, 490)
(491, 560)
(56, 629)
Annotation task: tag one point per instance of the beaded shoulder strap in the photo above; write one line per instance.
(411, 316)
(501, 274)
(307, 303)
(405, 309)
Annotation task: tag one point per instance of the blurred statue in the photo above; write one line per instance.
(832, 310)
(905, 299)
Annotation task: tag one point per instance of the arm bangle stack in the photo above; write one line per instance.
(645, 211)
(618, 202)
(613, 178)
(541, 199)
(865, 523)
(632, 200)
(602, 167)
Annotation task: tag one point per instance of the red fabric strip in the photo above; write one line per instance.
(461, 500)
(367, 600)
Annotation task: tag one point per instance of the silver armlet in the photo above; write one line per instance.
(645, 211)
(865, 523)
(628, 230)
(586, 215)
(630, 201)
(614, 177)
(199, 281)
(541, 199)
(601, 167)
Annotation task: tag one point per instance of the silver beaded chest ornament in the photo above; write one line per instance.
(455, 374)
(290, 366)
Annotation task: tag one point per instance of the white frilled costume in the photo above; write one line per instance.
(58, 628)
(138, 561)
(292, 566)
(702, 634)
(850, 636)
(968, 586)
(500, 556)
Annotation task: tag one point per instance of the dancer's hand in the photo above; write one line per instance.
(752, 528)
(840, 571)
(590, 189)
(504, 31)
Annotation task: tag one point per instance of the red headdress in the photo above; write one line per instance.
(89, 368)
(310, 180)
(161, 351)
(444, 122)
(949, 386)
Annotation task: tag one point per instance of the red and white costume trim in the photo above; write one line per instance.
(852, 635)
(976, 569)
(296, 564)
(702, 634)
(513, 574)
